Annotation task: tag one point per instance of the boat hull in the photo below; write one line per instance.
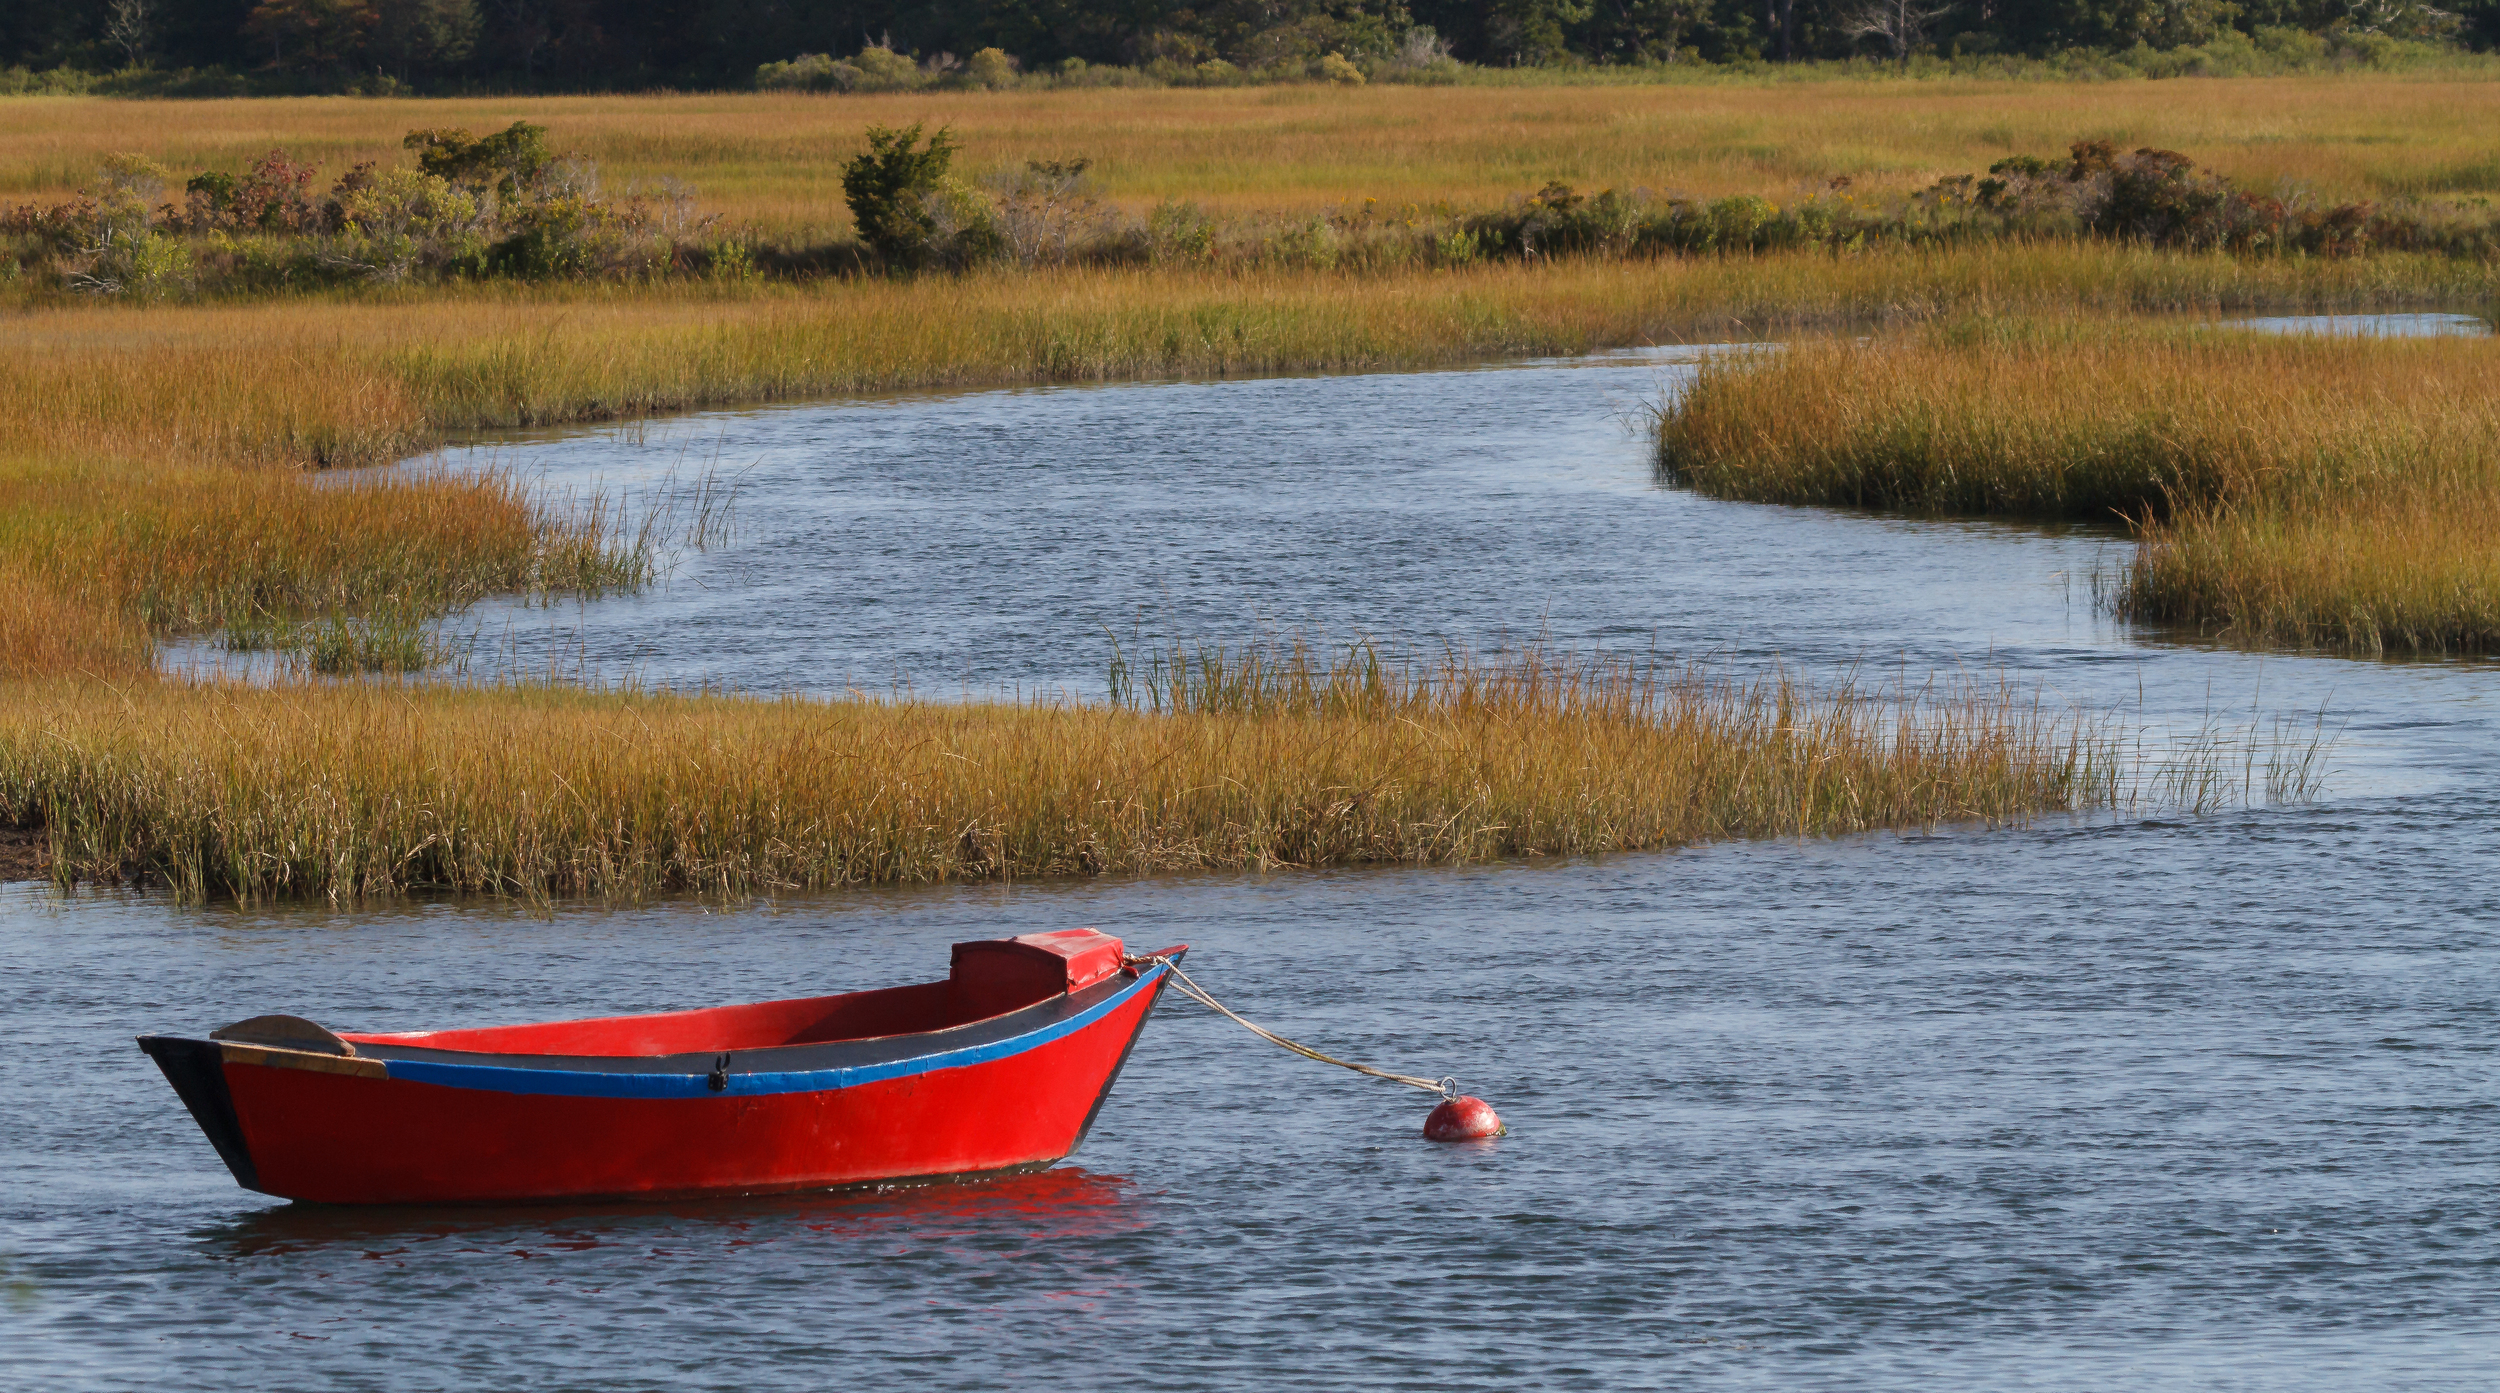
(415, 1126)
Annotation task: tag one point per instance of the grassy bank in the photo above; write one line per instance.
(2342, 492)
(771, 162)
(360, 790)
(183, 468)
(153, 475)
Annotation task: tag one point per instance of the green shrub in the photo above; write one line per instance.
(144, 266)
(1558, 219)
(991, 68)
(404, 218)
(963, 226)
(1179, 232)
(809, 72)
(549, 238)
(887, 186)
(1335, 67)
(732, 262)
(509, 162)
(111, 236)
(875, 68)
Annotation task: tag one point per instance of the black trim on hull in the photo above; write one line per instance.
(197, 1070)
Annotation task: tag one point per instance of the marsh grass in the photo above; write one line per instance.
(1264, 758)
(771, 162)
(110, 553)
(156, 478)
(2286, 490)
(354, 380)
(393, 640)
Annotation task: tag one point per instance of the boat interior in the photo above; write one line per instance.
(990, 978)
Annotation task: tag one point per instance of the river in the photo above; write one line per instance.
(2153, 1099)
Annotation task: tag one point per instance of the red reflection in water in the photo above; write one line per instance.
(1044, 1206)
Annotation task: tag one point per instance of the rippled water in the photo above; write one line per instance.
(2141, 1100)
(2381, 326)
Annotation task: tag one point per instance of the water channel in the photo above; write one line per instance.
(2153, 1099)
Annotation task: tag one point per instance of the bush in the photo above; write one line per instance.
(888, 186)
(1555, 220)
(502, 204)
(876, 68)
(2163, 198)
(809, 72)
(1046, 214)
(991, 68)
(963, 226)
(1180, 232)
(403, 219)
(1423, 57)
(111, 239)
(274, 195)
(550, 238)
(1336, 68)
(144, 266)
(508, 163)
(129, 187)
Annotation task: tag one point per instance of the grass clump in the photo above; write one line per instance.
(341, 645)
(2292, 490)
(1254, 759)
(108, 549)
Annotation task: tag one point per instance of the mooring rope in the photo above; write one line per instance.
(1446, 1087)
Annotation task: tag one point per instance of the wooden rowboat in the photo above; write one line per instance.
(999, 1068)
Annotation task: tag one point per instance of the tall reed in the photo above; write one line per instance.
(1255, 760)
(2338, 491)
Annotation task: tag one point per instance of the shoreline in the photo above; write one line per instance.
(25, 854)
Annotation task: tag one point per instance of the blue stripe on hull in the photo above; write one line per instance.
(572, 1083)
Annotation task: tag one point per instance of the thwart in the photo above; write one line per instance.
(1001, 1067)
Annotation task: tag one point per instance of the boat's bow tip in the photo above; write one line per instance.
(284, 1032)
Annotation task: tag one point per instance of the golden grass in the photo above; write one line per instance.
(362, 379)
(98, 555)
(155, 473)
(2415, 570)
(152, 458)
(771, 161)
(362, 790)
(2288, 490)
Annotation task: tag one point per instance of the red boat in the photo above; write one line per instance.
(999, 1068)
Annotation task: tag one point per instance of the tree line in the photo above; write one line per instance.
(451, 45)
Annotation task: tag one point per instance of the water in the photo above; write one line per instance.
(2383, 326)
(2148, 1100)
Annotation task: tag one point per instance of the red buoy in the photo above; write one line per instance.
(1463, 1119)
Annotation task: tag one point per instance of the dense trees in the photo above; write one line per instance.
(636, 43)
